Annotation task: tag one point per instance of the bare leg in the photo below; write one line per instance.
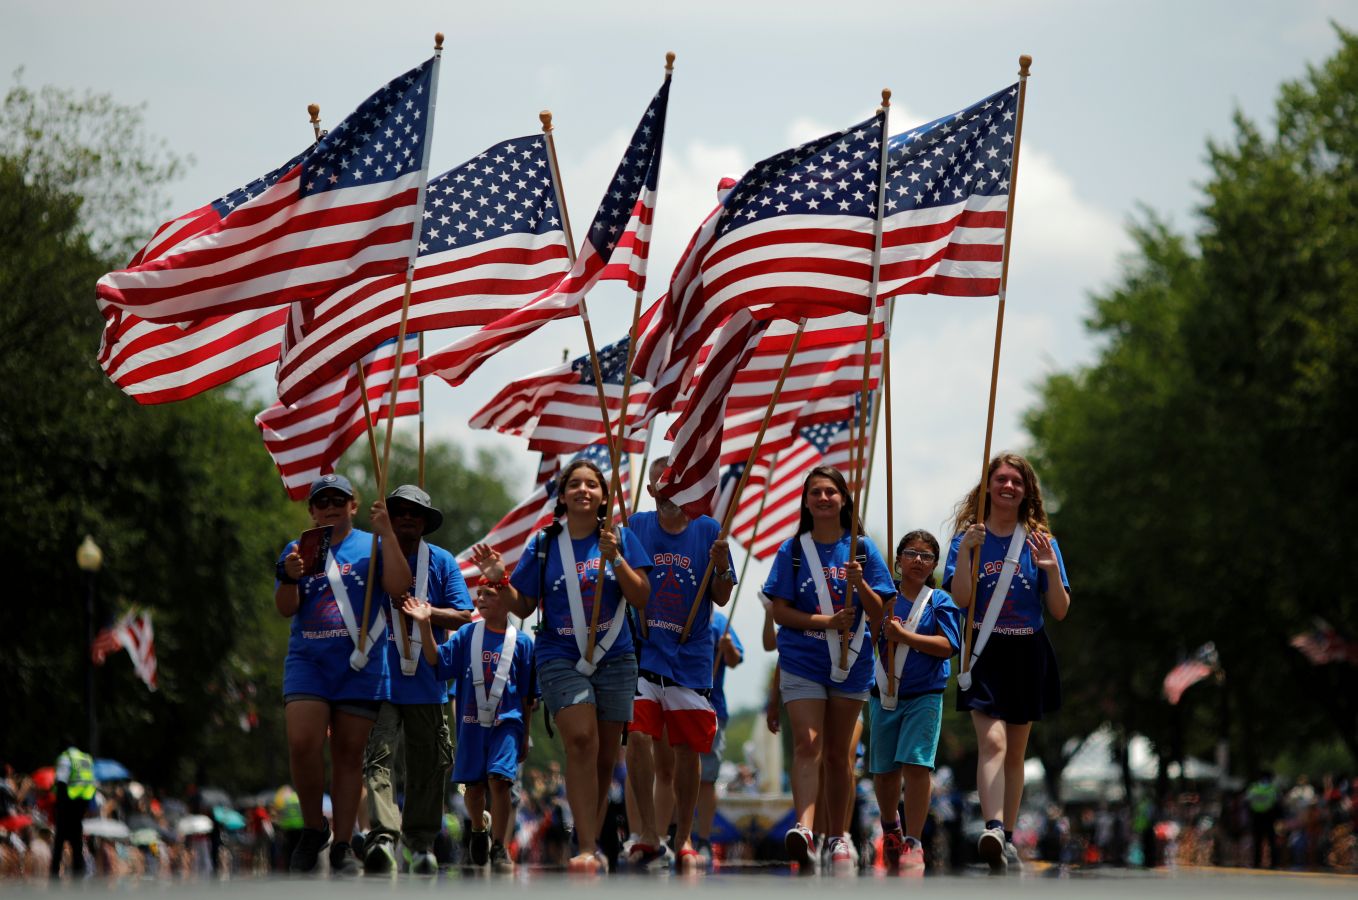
(888, 789)
(348, 740)
(841, 715)
(640, 781)
(685, 795)
(917, 790)
(808, 722)
(1016, 745)
(610, 745)
(500, 809)
(990, 755)
(475, 797)
(307, 722)
(580, 734)
(707, 810)
(664, 783)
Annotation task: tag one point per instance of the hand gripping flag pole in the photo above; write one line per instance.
(860, 451)
(1025, 63)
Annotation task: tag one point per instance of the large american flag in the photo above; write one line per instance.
(511, 533)
(762, 531)
(615, 248)
(557, 410)
(492, 239)
(343, 211)
(307, 439)
(947, 196)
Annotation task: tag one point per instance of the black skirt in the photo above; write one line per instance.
(1016, 679)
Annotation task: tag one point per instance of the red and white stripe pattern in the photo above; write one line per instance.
(134, 633)
(615, 248)
(307, 439)
(683, 715)
(342, 211)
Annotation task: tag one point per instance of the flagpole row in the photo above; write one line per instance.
(745, 565)
(885, 391)
(1025, 62)
(641, 476)
(860, 451)
(744, 477)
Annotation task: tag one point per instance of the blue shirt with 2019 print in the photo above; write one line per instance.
(447, 589)
(1022, 610)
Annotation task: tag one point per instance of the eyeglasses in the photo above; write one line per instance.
(912, 555)
(402, 511)
(325, 501)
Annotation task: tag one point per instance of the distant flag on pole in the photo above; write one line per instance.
(1201, 664)
(1323, 645)
(307, 439)
(342, 211)
(135, 634)
(491, 240)
(615, 248)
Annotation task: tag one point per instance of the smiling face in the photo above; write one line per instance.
(1007, 488)
(331, 507)
(582, 491)
(491, 605)
(915, 561)
(823, 499)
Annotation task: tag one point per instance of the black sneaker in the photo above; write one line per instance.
(478, 848)
(379, 858)
(307, 854)
(343, 862)
(499, 858)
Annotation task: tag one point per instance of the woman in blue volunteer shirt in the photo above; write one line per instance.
(807, 586)
(568, 566)
(328, 687)
(921, 630)
(1013, 679)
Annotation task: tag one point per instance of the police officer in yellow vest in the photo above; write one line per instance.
(74, 789)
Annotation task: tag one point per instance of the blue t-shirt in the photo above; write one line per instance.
(447, 589)
(319, 645)
(719, 680)
(556, 640)
(805, 653)
(1022, 611)
(455, 664)
(923, 672)
(678, 563)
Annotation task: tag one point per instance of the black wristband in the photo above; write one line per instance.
(281, 573)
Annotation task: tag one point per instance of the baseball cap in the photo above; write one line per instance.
(331, 482)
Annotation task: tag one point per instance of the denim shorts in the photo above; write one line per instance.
(364, 709)
(709, 764)
(610, 689)
(795, 687)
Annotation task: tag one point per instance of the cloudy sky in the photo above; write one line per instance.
(1122, 100)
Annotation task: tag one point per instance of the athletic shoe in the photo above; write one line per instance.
(499, 858)
(990, 847)
(307, 855)
(379, 858)
(801, 847)
(602, 859)
(893, 842)
(1012, 858)
(644, 856)
(478, 848)
(912, 856)
(343, 862)
(423, 863)
(841, 853)
(704, 848)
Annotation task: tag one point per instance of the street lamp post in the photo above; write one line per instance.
(90, 559)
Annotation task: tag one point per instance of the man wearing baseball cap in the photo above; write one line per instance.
(418, 699)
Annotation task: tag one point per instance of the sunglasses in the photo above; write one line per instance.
(325, 501)
(402, 510)
(912, 555)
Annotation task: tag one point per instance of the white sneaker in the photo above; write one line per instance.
(990, 847)
(841, 853)
(1012, 858)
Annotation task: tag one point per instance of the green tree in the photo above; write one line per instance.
(1201, 467)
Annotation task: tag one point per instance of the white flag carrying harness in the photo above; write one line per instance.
(992, 612)
(410, 664)
(359, 658)
(888, 696)
(488, 703)
(579, 623)
(827, 608)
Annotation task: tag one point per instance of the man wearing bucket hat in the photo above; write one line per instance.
(418, 699)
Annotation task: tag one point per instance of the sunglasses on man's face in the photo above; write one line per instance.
(401, 511)
(325, 501)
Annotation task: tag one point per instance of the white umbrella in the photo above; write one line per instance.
(191, 825)
(106, 828)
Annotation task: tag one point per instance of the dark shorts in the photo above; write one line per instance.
(364, 709)
(1015, 680)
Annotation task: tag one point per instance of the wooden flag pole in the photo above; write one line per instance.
(860, 451)
(890, 493)
(400, 343)
(1025, 63)
(730, 513)
(640, 477)
(872, 443)
(421, 400)
(745, 565)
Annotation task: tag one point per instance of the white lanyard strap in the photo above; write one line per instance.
(579, 624)
(888, 697)
(997, 598)
(409, 664)
(359, 658)
(487, 704)
(827, 608)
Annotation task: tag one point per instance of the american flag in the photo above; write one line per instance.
(1323, 644)
(134, 633)
(307, 439)
(343, 211)
(511, 533)
(762, 531)
(1201, 664)
(615, 248)
(947, 197)
(492, 240)
(557, 410)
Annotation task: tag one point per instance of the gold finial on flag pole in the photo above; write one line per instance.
(314, 110)
(438, 42)
(669, 62)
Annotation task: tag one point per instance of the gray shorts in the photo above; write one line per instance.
(610, 689)
(795, 687)
(709, 764)
(364, 709)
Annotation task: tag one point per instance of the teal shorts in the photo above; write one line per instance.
(906, 735)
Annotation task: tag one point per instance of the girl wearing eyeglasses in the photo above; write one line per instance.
(1012, 678)
(921, 630)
